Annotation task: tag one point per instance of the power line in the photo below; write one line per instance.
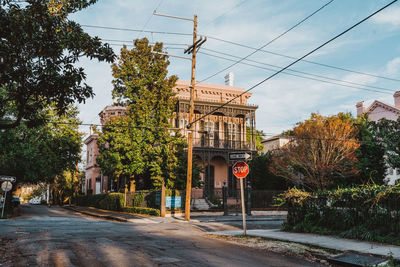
(377, 89)
(274, 66)
(135, 30)
(131, 41)
(220, 16)
(307, 61)
(270, 42)
(297, 71)
(148, 20)
(294, 62)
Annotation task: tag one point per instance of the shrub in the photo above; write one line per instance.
(368, 212)
(112, 201)
(215, 201)
(142, 210)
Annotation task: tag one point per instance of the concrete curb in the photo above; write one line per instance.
(107, 217)
(240, 219)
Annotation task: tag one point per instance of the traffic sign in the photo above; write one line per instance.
(240, 169)
(239, 156)
(6, 186)
(11, 179)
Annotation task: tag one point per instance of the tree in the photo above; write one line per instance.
(39, 50)
(39, 154)
(387, 132)
(370, 153)
(140, 145)
(322, 150)
(261, 177)
(259, 136)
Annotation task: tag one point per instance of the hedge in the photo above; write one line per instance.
(369, 212)
(111, 201)
(142, 210)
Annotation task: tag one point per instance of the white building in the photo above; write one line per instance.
(379, 110)
(274, 143)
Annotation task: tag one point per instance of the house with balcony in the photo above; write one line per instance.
(231, 128)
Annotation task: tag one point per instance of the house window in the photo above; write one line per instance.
(390, 171)
(397, 171)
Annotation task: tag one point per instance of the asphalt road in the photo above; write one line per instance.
(54, 236)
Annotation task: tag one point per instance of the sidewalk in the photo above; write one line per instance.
(115, 215)
(336, 243)
(195, 216)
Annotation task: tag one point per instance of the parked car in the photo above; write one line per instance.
(34, 201)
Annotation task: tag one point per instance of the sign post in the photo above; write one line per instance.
(241, 170)
(6, 186)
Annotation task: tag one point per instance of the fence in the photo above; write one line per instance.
(365, 212)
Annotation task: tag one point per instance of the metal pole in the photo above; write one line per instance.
(191, 115)
(4, 201)
(243, 208)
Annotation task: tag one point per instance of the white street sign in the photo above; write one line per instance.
(239, 156)
(11, 179)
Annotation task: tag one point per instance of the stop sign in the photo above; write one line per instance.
(240, 169)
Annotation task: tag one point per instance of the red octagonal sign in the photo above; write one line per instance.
(240, 169)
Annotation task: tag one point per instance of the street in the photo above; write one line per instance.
(43, 236)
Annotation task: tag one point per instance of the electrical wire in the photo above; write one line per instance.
(307, 61)
(296, 71)
(291, 64)
(313, 79)
(134, 30)
(220, 16)
(148, 20)
(268, 43)
(274, 66)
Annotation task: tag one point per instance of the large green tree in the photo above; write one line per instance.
(370, 153)
(141, 145)
(39, 154)
(261, 177)
(39, 49)
(387, 134)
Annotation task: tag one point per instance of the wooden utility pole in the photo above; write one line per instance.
(191, 49)
(191, 115)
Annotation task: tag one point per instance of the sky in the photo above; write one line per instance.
(371, 48)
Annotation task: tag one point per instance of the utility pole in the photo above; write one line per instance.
(191, 49)
(190, 125)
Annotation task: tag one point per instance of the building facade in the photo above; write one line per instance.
(231, 128)
(379, 110)
(274, 143)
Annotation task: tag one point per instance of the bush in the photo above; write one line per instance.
(112, 201)
(215, 201)
(366, 212)
(142, 210)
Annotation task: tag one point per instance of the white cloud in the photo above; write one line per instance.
(390, 16)
(393, 66)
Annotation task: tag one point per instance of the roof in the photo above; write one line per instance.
(276, 137)
(378, 103)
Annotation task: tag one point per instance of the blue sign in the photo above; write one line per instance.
(173, 202)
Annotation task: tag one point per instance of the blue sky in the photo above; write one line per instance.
(373, 47)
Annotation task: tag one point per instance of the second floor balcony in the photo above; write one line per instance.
(216, 143)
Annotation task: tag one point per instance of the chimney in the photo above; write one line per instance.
(396, 97)
(229, 79)
(360, 108)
